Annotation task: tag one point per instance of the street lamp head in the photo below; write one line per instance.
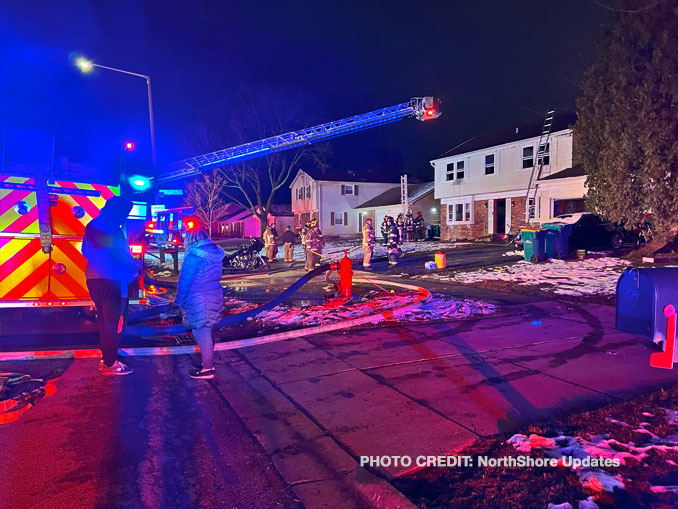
(84, 65)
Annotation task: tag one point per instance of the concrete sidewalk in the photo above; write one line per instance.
(315, 405)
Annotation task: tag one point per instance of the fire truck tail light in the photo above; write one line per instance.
(150, 226)
(137, 248)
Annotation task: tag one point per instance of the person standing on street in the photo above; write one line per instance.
(110, 269)
(420, 227)
(199, 294)
(269, 243)
(274, 230)
(393, 238)
(384, 230)
(288, 239)
(368, 244)
(314, 245)
(400, 224)
(409, 227)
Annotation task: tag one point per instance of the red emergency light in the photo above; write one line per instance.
(429, 112)
(129, 145)
(150, 226)
(136, 248)
(175, 240)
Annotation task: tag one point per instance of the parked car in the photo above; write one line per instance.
(592, 232)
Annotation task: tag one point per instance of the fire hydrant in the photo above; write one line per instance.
(345, 269)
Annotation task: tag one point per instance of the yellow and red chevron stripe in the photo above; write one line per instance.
(26, 273)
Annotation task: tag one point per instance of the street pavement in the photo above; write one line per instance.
(286, 423)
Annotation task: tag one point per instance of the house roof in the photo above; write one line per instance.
(277, 210)
(352, 175)
(513, 133)
(392, 196)
(281, 209)
(574, 171)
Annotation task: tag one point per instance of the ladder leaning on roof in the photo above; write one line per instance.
(542, 152)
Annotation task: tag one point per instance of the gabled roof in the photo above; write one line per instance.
(511, 134)
(335, 175)
(392, 196)
(574, 171)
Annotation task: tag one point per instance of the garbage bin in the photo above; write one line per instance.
(434, 231)
(552, 243)
(562, 241)
(533, 244)
(642, 295)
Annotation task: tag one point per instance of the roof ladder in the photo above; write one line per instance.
(404, 199)
(537, 167)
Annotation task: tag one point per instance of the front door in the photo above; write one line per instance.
(500, 216)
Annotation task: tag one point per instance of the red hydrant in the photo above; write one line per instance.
(345, 269)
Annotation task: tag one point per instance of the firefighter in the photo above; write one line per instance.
(409, 226)
(393, 237)
(420, 227)
(275, 238)
(269, 243)
(110, 269)
(199, 295)
(368, 244)
(314, 245)
(400, 224)
(288, 239)
(384, 230)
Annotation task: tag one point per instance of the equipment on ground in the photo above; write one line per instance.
(247, 258)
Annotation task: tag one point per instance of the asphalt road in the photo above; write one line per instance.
(155, 438)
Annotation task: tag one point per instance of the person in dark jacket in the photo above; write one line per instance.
(393, 238)
(288, 239)
(384, 230)
(409, 227)
(110, 269)
(420, 227)
(199, 294)
(314, 245)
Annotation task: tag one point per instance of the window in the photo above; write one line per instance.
(489, 164)
(531, 211)
(308, 191)
(347, 189)
(455, 169)
(545, 152)
(459, 213)
(528, 157)
(338, 218)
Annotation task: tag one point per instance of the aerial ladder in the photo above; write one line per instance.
(421, 108)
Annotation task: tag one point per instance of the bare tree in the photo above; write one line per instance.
(205, 194)
(253, 184)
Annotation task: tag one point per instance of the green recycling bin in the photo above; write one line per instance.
(562, 240)
(534, 244)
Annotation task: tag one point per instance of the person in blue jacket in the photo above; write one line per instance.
(110, 270)
(199, 294)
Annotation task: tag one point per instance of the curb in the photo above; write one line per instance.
(388, 314)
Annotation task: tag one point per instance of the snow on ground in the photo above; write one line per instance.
(440, 307)
(597, 276)
(595, 477)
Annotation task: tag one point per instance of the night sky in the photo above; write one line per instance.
(492, 63)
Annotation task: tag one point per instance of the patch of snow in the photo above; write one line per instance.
(663, 489)
(596, 276)
(648, 414)
(565, 505)
(514, 253)
(589, 503)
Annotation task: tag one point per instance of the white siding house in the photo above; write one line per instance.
(331, 197)
(482, 183)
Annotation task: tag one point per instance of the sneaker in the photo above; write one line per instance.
(118, 368)
(200, 372)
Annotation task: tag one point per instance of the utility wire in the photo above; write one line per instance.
(628, 11)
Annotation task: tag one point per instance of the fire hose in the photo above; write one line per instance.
(131, 329)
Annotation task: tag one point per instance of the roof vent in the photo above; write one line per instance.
(516, 130)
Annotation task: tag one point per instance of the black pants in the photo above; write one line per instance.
(110, 306)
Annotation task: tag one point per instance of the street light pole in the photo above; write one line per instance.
(86, 66)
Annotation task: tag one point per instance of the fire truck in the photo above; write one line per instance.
(43, 214)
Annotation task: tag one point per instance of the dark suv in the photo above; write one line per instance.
(592, 232)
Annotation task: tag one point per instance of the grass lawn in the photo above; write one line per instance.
(641, 433)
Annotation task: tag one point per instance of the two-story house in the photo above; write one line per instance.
(332, 195)
(482, 182)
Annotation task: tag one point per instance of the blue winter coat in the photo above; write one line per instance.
(199, 293)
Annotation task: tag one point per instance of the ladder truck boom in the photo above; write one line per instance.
(421, 108)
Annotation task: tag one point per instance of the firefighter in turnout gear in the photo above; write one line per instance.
(384, 230)
(409, 227)
(269, 243)
(314, 245)
(419, 227)
(400, 224)
(393, 237)
(368, 244)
